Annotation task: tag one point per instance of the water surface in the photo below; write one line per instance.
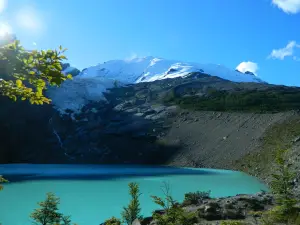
(91, 194)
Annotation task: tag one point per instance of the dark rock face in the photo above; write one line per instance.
(102, 133)
(211, 211)
(105, 133)
(65, 65)
(126, 129)
(25, 133)
(74, 71)
(236, 207)
(248, 72)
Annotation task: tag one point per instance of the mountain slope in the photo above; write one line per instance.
(92, 82)
(150, 69)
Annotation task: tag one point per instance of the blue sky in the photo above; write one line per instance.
(263, 35)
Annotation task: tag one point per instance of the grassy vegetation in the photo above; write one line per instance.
(279, 136)
(174, 213)
(271, 100)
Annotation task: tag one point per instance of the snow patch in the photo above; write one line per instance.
(90, 84)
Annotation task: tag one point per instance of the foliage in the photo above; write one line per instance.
(193, 198)
(65, 220)
(281, 185)
(174, 214)
(168, 202)
(232, 222)
(48, 213)
(26, 74)
(2, 180)
(269, 100)
(113, 221)
(281, 135)
(132, 211)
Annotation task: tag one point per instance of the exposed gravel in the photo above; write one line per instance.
(216, 139)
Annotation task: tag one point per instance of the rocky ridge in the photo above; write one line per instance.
(145, 123)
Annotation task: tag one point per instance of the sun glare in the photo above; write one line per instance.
(5, 29)
(2, 5)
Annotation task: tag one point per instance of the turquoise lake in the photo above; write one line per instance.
(91, 194)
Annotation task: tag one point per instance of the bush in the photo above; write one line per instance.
(48, 213)
(232, 222)
(193, 198)
(132, 211)
(113, 221)
(173, 214)
(2, 180)
(285, 210)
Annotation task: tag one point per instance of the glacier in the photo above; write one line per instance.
(90, 84)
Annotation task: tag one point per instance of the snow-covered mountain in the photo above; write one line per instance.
(150, 69)
(90, 84)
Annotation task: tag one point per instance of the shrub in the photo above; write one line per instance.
(48, 213)
(113, 221)
(132, 211)
(174, 214)
(285, 210)
(232, 222)
(193, 198)
(2, 180)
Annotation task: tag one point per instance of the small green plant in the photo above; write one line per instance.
(193, 198)
(113, 221)
(232, 222)
(281, 185)
(48, 213)
(65, 220)
(173, 213)
(132, 211)
(2, 180)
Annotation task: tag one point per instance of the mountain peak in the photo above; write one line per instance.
(150, 68)
(93, 81)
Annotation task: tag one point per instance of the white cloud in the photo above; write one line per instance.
(33, 43)
(131, 57)
(134, 56)
(281, 53)
(29, 19)
(247, 66)
(288, 6)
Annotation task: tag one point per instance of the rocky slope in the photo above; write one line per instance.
(197, 121)
(212, 211)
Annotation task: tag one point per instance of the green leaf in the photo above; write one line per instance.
(18, 83)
